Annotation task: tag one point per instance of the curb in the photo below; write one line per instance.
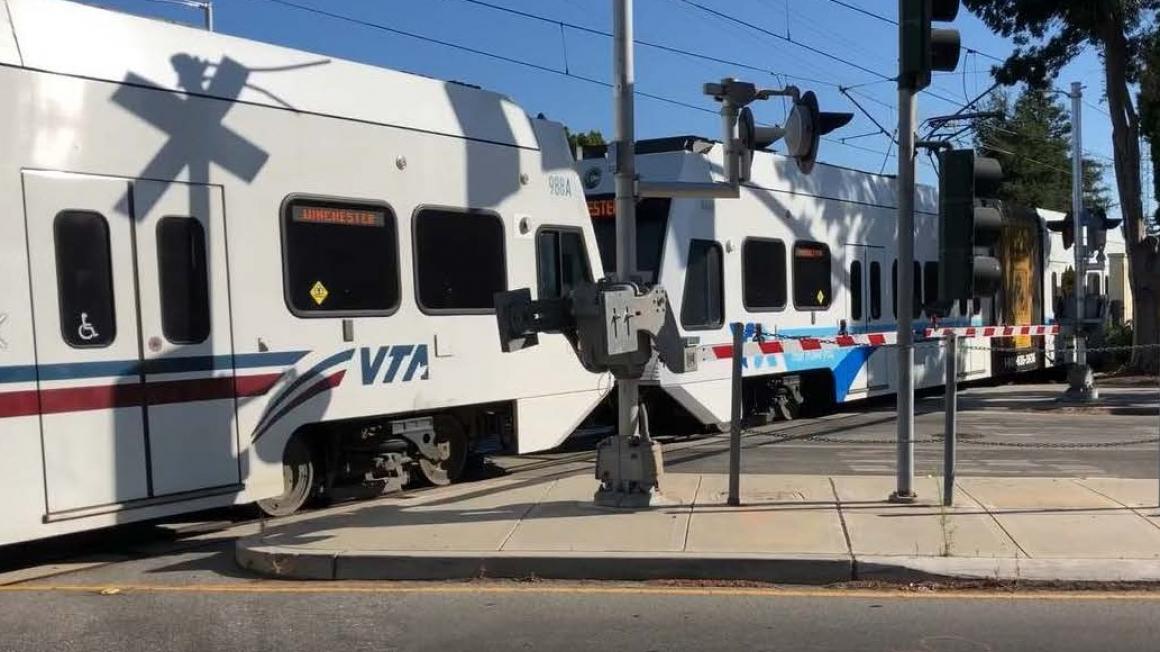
(1007, 569)
(291, 563)
(287, 563)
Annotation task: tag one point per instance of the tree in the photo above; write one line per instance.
(1048, 35)
(580, 139)
(1032, 142)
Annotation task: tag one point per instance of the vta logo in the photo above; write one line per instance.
(392, 358)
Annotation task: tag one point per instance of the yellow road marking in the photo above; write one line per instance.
(277, 587)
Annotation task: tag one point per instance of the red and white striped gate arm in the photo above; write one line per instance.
(993, 331)
(795, 345)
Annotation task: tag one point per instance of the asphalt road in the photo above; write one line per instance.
(167, 587)
(243, 615)
(991, 443)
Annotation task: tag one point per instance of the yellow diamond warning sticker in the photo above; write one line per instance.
(319, 292)
(821, 297)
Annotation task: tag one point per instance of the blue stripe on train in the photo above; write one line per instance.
(121, 368)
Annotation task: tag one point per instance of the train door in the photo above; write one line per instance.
(135, 403)
(87, 341)
(864, 312)
(187, 350)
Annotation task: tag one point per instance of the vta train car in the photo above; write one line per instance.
(237, 272)
(800, 256)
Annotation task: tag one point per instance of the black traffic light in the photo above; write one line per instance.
(923, 48)
(970, 222)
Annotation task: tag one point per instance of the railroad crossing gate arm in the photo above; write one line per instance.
(613, 326)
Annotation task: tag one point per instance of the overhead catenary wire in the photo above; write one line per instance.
(483, 53)
(865, 12)
(648, 44)
(519, 62)
(818, 51)
(891, 21)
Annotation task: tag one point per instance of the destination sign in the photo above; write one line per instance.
(601, 208)
(337, 215)
(809, 251)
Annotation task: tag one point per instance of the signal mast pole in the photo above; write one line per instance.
(904, 291)
(1081, 385)
(628, 390)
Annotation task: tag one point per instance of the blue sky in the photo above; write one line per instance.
(822, 24)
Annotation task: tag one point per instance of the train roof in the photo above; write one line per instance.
(84, 41)
(658, 159)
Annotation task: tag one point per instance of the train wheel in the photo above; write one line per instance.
(451, 440)
(788, 407)
(299, 479)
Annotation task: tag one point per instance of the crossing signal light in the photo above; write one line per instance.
(803, 128)
(1064, 227)
(1097, 224)
(924, 48)
(970, 222)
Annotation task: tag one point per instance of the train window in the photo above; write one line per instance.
(875, 290)
(703, 302)
(930, 283)
(963, 307)
(976, 306)
(341, 257)
(184, 280)
(459, 260)
(812, 287)
(652, 216)
(894, 288)
(916, 294)
(856, 290)
(763, 274)
(561, 262)
(84, 279)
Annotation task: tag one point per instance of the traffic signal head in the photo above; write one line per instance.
(970, 222)
(923, 48)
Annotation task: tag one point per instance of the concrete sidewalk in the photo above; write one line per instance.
(794, 529)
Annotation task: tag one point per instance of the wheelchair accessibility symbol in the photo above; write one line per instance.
(86, 331)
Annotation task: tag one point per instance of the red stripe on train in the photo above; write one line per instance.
(104, 397)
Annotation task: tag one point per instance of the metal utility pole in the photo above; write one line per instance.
(628, 465)
(207, 9)
(904, 492)
(624, 81)
(950, 422)
(1080, 381)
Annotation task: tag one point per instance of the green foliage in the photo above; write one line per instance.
(1049, 35)
(1113, 335)
(592, 137)
(1032, 142)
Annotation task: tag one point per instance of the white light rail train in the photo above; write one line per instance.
(236, 272)
(802, 261)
